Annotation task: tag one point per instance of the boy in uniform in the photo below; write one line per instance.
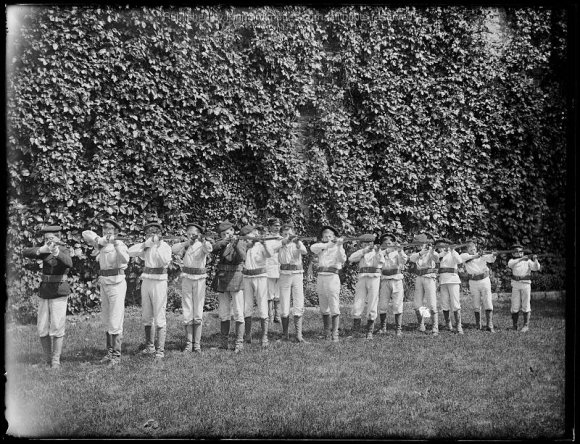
(193, 284)
(370, 260)
(113, 257)
(522, 268)
(53, 292)
(157, 255)
(228, 283)
(291, 281)
(273, 270)
(425, 282)
(479, 284)
(449, 283)
(391, 288)
(331, 258)
(255, 283)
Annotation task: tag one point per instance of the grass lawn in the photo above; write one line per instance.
(476, 386)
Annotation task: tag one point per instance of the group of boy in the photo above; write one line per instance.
(268, 271)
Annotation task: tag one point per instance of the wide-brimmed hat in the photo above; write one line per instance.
(225, 225)
(443, 242)
(517, 246)
(367, 238)
(194, 224)
(247, 229)
(113, 222)
(286, 226)
(328, 227)
(273, 221)
(152, 223)
(388, 236)
(422, 238)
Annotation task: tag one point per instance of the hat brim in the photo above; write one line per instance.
(155, 224)
(199, 227)
(328, 227)
(51, 229)
(112, 222)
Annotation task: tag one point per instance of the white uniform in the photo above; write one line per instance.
(522, 288)
(193, 284)
(425, 284)
(255, 281)
(391, 288)
(291, 278)
(273, 270)
(331, 258)
(479, 283)
(369, 279)
(449, 281)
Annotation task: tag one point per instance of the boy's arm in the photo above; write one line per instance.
(122, 252)
(318, 247)
(356, 256)
(136, 251)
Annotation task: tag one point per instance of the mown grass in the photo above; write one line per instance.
(476, 386)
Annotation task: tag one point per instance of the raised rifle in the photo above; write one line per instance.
(301, 238)
(500, 252)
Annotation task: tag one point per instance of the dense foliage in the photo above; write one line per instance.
(368, 118)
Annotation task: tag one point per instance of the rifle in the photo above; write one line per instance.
(500, 252)
(353, 239)
(301, 238)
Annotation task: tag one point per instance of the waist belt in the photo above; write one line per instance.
(149, 270)
(190, 270)
(227, 267)
(253, 271)
(527, 277)
(291, 267)
(53, 277)
(478, 277)
(369, 270)
(448, 270)
(111, 272)
(390, 272)
(422, 271)
(328, 270)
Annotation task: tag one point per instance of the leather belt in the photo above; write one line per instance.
(291, 267)
(422, 271)
(190, 270)
(53, 277)
(328, 270)
(448, 270)
(111, 272)
(478, 277)
(253, 271)
(527, 277)
(369, 270)
(149, 270)
(390, 271)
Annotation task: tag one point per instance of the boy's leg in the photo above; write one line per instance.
(445, 296)
(261, 292)
(187, 288)
(225, 314)
(487, 304)
(323, 303)
(526, 305)
(373, 284)
(397, 298)
(159, 302)
(57, 313)
(333, 302)
(105, 318)
(476, 301)
(383, 304)
(358, 304)
(285, 289)
(116, 296)
(298, 303)
(237, 303)
(515, 305)
(248, 308)
(431, 296)
(147, 316)
(198, 303)
(42, 326)
(418, 302)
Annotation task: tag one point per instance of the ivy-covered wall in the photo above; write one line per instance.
(368, 118)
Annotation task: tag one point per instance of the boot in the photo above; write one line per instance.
(457, 315)
(160, 347)
(56, 351)
(448, 323)
(383, 327)
(264, 324)
(515, 317)
(477, 320)
(197, 337)
(248, 323)
(420, 321)
(525, 328)
(298, 327)
(46, 343)
(239, 337)
(285, 335)
(489, 321)
(188, 338)
(107, 358)
(399, 324)
(355, 326)
(370, 328)
(276, 303)
(225, 332)
(116, 343)
(335, 321)
(149, 347)
(326, 326)
(435, 322)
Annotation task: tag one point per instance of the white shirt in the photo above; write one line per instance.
(272, 263)
(394, 259)
(291, 254)
(157, 256)
(372, 259)
(523, 268)
(194, 256)
(256, 258)
(449, 260)
(477, 265)
(109, 257)
(425, 260)
(329, 255)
